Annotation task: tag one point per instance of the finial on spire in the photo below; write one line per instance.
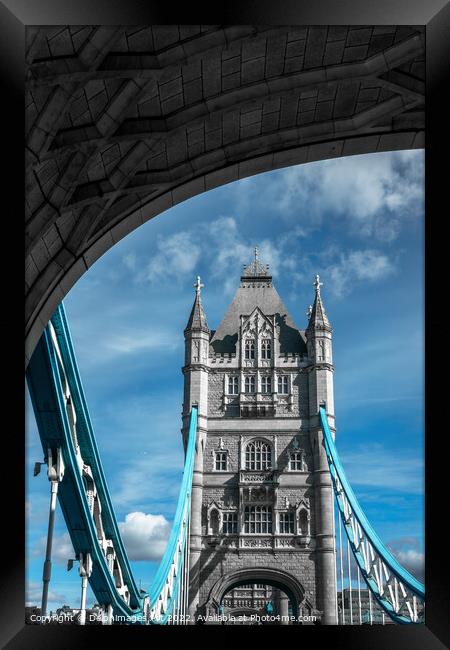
(197, 319)
(316, 314)
(256, 271)
(318, 284)
(198, 285)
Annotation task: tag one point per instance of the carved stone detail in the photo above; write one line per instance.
(255, 542)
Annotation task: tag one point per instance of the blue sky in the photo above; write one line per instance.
(358, 222)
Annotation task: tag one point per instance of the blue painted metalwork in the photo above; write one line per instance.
(352, 512)
(178, 536)
(50, 369)
(63, 422)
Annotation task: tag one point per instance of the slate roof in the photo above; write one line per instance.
(260, 294)
(318, 317)
(197, 319)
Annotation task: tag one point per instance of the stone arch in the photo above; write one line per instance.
(284, 581)
(124, 123)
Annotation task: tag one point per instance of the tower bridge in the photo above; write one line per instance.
(261, 481)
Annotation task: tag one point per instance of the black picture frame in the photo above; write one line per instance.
(15, 15)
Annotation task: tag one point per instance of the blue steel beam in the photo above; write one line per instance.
(44, 377)
(178, 537)
(352, 512)
(53, 377)
(90, 452)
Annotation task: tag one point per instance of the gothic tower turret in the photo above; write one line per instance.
(320, 384)
(319, 344)
(195, 370)
(262, 510)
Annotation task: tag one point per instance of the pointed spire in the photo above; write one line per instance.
(316, 314)
(197, 319)
(256, 272)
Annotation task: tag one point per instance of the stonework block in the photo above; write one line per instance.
(238, 482)
(315, 46)
(334, 52)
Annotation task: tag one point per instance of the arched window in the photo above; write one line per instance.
(297, 461)
(229, 523)
(258, 519)
(233, 385)
(258, 455)
(249, 383)
(266, 384)
(266, 349)
(283, 384)
(286, 521)
(249, 349)
(220, 464)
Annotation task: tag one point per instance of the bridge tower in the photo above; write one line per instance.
(195, 370)
(262, 508)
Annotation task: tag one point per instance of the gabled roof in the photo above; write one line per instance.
(197, 319)
(262, 294)
(257, 315)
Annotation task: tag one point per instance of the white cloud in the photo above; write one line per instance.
(408, 553)
(412, 560)
(176, 256)
(228, 250)
(62, 548)
(357, 266)
(339, 270)
(222, 247)
(144, 535)
(373, 195)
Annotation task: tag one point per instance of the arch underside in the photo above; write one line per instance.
(278, 578)
(122, 123)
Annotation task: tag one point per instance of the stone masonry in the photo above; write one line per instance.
(262, 503)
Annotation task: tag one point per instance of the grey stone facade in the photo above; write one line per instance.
(262, 504)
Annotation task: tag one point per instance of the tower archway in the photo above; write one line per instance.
(274, 577)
